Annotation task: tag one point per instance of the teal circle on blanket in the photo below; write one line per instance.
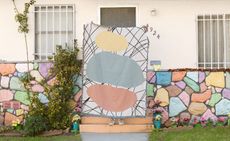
(114, 69)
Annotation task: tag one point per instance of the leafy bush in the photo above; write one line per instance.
(34, 125)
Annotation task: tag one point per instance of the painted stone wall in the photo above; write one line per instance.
(13, 96)
(189, 94)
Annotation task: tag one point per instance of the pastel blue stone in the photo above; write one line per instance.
(77, 80)
(176, 106)
(223, 107)
(114, 69)
(163, 78)
(193, 75)
(42, 98)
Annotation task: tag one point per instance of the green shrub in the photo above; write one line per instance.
(34, 125)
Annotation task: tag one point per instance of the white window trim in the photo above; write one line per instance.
(118, 6)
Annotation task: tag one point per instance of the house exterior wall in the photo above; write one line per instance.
(174, 22)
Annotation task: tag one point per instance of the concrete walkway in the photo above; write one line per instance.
(114, 137)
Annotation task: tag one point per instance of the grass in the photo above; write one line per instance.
(195, 134)
(54, 138)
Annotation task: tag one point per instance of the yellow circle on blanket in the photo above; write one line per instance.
(109, 41)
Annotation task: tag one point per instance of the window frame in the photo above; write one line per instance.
(34, 31)
(225, 63)
(119, 6)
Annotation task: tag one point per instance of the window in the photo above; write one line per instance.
(119, 16)
(54, 25)
(214, 41)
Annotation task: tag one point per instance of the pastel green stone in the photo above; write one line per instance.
(22, 97)
(192, 84)
(36, 66)
(227, 80)
(214, 99)
(10, 110)
(16, 84)
(150, 89)
(76, 89)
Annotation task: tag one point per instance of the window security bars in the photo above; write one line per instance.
(54, 25)
(213, 41)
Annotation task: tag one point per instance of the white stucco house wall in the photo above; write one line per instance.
(174, 20)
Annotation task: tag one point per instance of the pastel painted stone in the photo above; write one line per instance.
(22, 97)
(24, 107)
(162, 96)
(78, 80)
(227, 78)
(219, 90)
(10, 117)
(36, 75)
(163, 78)
(150, 89)
(42, 98)
(78, 96)
(109, 41)
(37, 88)
(192, 84)
(151, 103)
(209, 115)
(5, 81)
(150, 75)
(216, 79)
(173, 90)
(178, 75)
(193, 75)
(22, 67)
(180, 84)
(6, 95)
(184, 115)
(201, 97)
(196, 108)
(16, 84)
(6, 69)
(52, 81)
(216, 97)
(176, 106)
(10, 110)
(44, 69)
(188, 90)
(112, 99)
(223, 107)
(76, 89)
(36, 66)
(201, 76)
(19, 112)
(203, 87)
(117, 70)
(185, 98)
(72, 104)
(226, 93)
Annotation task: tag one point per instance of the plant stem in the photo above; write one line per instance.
(27, 52)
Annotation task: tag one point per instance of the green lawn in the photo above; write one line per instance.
(55, 138)
(195, 134)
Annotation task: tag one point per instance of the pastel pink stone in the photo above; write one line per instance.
(6, 95)
(203, 87)
(112, 99)
(150, 75)
(37, 88)
(52, 81)
(78, 96)
(6, 69)
(209, 115)
(185, 98)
